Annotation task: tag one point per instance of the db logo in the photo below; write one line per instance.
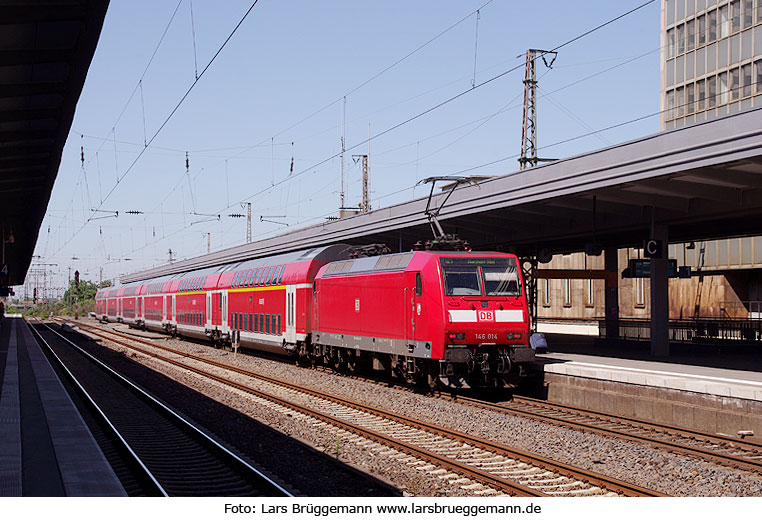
(486, 315)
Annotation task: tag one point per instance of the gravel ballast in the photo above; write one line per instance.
(666, 472)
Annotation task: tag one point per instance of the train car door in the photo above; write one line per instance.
(291, 313)
(208, 323)
(216, 308)
(139, 312)
(225, 320)
(409, 306)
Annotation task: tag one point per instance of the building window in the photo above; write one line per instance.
(722, 87)
(759, 10)
(567, 293)
(724, 22)
(701, 29)
(689, 95)
(712, 31)
(670, 105)
(589, 293)
(546, 292)
(758, 68)
(735, 83)
(712, 91)
(690, 39)
(680, 102)
(701, 94)
(746, 80)
(748, 13)
(670, 43)
(640, 293)
(680, 39)
(669, 7)
(735, 15)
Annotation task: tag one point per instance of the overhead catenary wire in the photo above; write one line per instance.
(169, 117)
(382, 71)
(361, 85)
(406, 121)
(312, 167)
(456, 96)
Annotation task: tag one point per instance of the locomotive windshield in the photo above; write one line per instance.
(480, 277)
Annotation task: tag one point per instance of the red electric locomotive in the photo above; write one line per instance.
(456, 318)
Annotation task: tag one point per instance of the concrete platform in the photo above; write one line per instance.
(717, 392)
(45, 447)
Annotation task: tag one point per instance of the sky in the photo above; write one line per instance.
(261, 117)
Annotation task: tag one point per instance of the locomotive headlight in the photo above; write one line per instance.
(514, 335)
(456, 335)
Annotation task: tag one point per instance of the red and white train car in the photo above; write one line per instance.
(451, 317)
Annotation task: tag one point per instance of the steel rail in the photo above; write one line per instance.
(153, 485)
(276, 489)
(605, 420)
(579, 474)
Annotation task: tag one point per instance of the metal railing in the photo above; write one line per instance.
(700, 330)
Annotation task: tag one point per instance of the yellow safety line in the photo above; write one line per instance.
(258, 289)
(250, 289)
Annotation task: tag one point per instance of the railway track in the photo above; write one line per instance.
(718, 449)
(480, 463)
(168, 455)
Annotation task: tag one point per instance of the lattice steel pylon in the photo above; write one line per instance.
(529, 121)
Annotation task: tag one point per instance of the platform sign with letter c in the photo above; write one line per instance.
(652, 248)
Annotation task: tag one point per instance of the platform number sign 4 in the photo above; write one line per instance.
(486, 315)
(4, 271)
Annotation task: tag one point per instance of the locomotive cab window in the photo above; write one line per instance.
(480, 277)
(502, 278)
(418, 284)
(460, 278)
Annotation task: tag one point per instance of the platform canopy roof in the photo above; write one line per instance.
(702, 181)
(45, 52)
